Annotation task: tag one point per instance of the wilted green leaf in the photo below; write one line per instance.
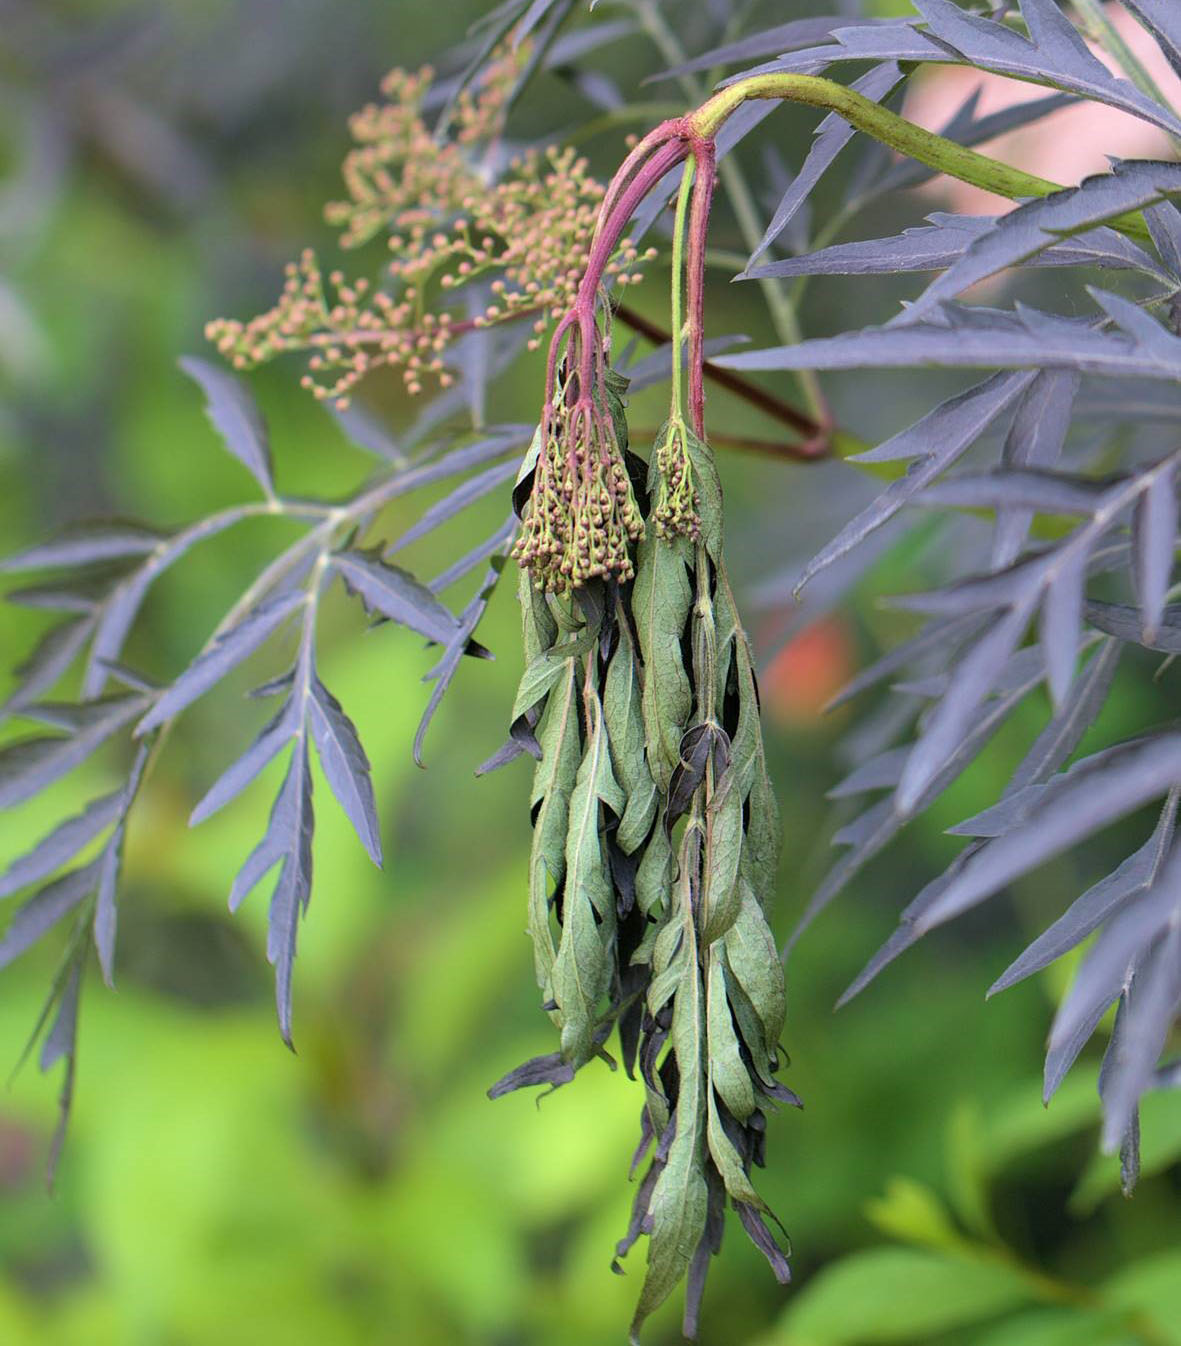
(625, 725)
(553, 782)
(582, 970)
(662, 598)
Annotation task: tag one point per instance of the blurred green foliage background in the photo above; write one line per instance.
(160, 161)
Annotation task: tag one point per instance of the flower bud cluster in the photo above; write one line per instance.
(582, 517)
(524, 236)
(675, 511)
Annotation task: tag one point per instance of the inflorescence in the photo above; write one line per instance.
(582, 517)
(465, 221)
(675, 512)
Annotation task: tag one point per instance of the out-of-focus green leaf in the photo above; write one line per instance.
(910, 1211)
(1151, 1287)
(1059, 1327)
(897, 1295)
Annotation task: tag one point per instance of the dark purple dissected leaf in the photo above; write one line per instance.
(895, 40)
(1106, 399)
(1154, 531)
(1129, 1150)
(907, 934)
(1071, 720)
(1028, 488)
(45, 908)
(571, 46)
(1036, 225)
(1163, 21)
(879, 773)
(880, 823)
(499, 540)
(498, 441)
(81, 591)
(389, 591)
(345, 765)
(120, 607)
(1057, 57)
(58, 649)
(949, 632)
(756, 1229)
(367, 431)
(1142, 772)
(461, 642)
(968, 338)
(1164, 224)
(105, 910)
(62, 844)
(831, 137)
(474, 488)
(771, 41)
(231, 407)
(938, 439)
(87, 544)
(29, 765)
(61, 1041)
(1114, 959)
(288, 841)
(1061, 616)
(1126, 623)
(271, 740)
(952, 717)
(1087, 913)
(226, 652)
(1016, 806)
(1040, 426)
(536, 11)
(1152, 1000)
(945, 240)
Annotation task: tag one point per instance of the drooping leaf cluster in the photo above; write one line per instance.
(655, 840)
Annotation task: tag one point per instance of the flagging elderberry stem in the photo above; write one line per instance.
(582, 515)
(704, 156)
(582, 518)
(674, 509)
(886, 127)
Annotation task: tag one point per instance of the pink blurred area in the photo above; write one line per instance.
(1064, 147)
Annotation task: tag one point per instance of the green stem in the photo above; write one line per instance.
(746, 214)
(680, 225)
(943, 155)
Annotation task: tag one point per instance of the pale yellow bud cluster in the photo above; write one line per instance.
(675, 511)
(524, 237)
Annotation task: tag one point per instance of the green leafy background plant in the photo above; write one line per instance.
(218, 1190)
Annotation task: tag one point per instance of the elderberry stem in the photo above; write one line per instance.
(678, 283)
(781, 309)
(704, 157)
(937, 152)
(614, 221)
